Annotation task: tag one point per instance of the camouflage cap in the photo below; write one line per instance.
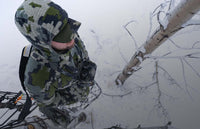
(41, 20)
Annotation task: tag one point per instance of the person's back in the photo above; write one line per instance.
(58, 71)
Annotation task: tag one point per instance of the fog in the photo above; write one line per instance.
(110, 46)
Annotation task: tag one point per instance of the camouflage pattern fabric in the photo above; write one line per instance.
(51, 77)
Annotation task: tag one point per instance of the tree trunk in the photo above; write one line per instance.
(180, 15)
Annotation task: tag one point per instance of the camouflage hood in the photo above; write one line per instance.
(40, 20)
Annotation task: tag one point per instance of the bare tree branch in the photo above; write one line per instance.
(185, 10)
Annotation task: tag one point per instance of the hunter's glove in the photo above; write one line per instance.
(87, 71)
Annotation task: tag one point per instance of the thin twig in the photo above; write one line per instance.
(171, 4)
(159, 6)
(150, 26)
(197, 42)
(97, 39)
(162, 6)
(92, 121)
(121, 96)
(191, 24)
(191, 67)
(191, 55)
(170, 77)
(122, 55)
(159, 104)
(184, 77)
(115, 72)
(177, 45)
(125, 27)
(158, 19)
(144, 88)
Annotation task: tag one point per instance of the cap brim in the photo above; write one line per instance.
(74, 24)
(66, 34)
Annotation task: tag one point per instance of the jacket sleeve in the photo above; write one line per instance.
(87, 67)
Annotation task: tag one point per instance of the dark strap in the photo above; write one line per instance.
(23, 62)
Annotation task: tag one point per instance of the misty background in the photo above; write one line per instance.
(110, 46)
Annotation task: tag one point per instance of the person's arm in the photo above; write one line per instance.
(87, 67)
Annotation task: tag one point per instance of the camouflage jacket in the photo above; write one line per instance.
(48, 71)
